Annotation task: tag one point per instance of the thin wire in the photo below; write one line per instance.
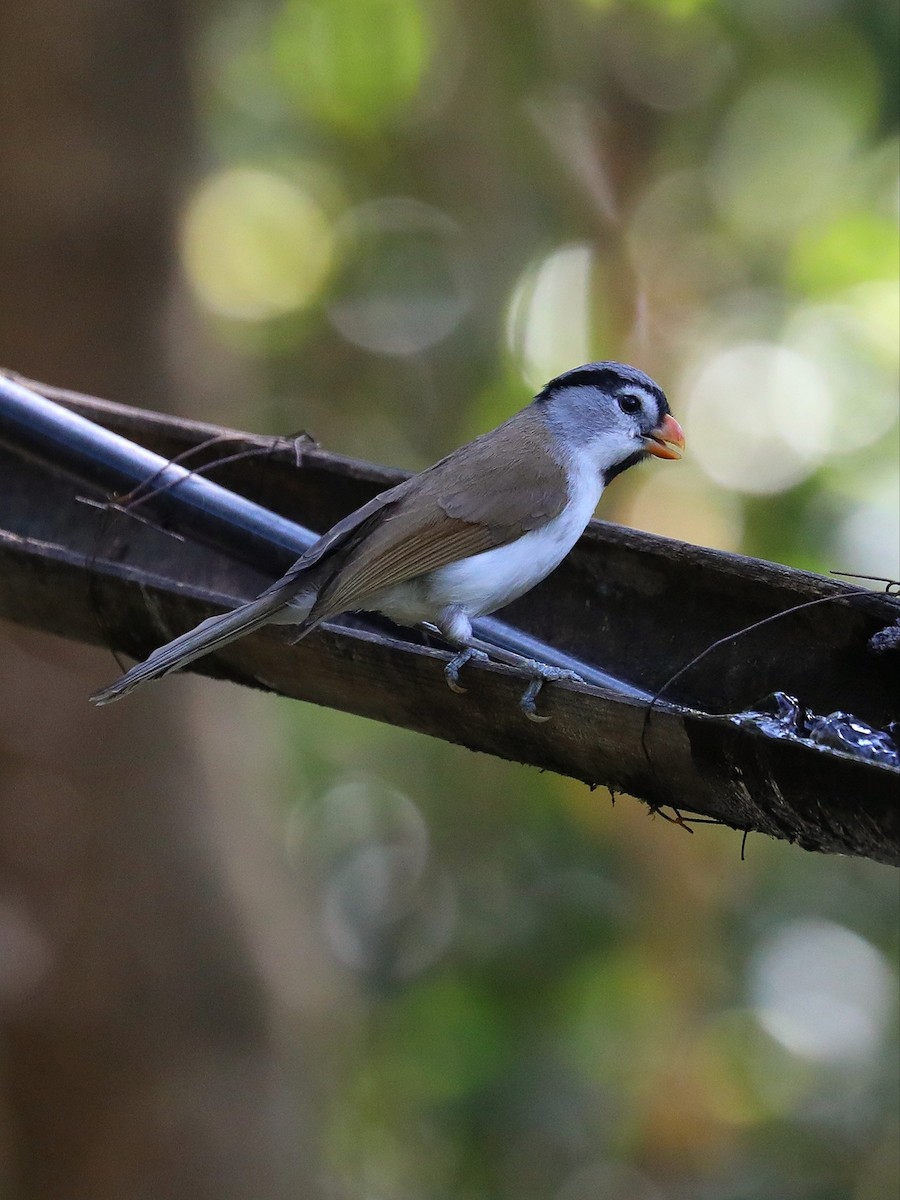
(131, 499)
(891, 583)
(128, 503)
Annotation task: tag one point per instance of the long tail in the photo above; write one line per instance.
(209, 635)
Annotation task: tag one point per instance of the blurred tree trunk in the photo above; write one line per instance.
(140, 1055)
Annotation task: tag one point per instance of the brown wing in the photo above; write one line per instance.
(484, 495)
(341, 536)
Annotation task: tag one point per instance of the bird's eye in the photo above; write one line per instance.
(629, 403)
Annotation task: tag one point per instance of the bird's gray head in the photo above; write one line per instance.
(613, 411)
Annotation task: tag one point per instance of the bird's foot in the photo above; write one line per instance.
(541, 674)
(455, 665)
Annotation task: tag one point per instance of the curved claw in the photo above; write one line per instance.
(529, 698)
(455, 665)
(542, 674)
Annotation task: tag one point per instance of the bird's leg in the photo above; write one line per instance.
(540, 673)
(456, 628)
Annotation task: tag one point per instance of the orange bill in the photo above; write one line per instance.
(667, 439)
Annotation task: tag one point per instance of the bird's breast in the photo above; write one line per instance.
(485, 582)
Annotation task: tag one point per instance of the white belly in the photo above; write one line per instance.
(485, 582)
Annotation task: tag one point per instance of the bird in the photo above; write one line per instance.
(465, 536)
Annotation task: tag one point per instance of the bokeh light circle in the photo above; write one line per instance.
(254, 244)
(843, 343)
(822, 991)
(778, 153)
(665, 61)
(405, 283)
(759, 417)
(549, 316)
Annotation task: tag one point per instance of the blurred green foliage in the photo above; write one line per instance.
(414, 211)
(352, 64)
